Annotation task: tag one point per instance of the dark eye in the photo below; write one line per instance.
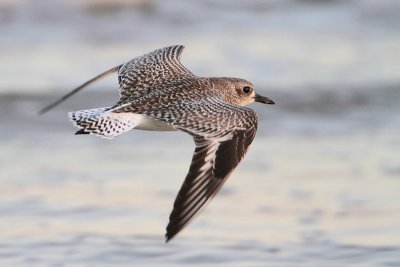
(246, 89)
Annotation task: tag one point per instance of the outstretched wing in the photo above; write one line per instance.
(138, 76)
(222, 138)
(222, 133)
(212, 163)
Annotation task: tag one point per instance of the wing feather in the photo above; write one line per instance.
(222, 138)
(138, 76)
(206, 176)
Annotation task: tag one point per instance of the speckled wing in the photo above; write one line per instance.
(222, 133)
(138, 76)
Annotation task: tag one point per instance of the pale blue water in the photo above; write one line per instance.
(319, 187)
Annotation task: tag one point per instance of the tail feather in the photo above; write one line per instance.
(81, 131)
(102, 122)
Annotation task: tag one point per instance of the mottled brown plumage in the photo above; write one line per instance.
(158, 93)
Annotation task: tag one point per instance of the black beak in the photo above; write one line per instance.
(263, 99)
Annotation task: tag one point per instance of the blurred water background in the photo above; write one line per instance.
(319, 187)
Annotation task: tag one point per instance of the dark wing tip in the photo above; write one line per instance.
(176, 50)
(179, 46)
(173, 228)
(169, 236)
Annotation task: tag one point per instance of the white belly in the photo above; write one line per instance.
(149, 124)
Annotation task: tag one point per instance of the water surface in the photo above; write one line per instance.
(319, 186)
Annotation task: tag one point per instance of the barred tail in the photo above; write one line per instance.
(102, 122)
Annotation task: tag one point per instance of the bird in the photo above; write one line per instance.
(157, 93)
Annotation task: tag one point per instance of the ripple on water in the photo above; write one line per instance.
(100, 250)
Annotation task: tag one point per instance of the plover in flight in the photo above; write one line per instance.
(158, 93)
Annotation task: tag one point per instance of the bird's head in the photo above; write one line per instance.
(239, 91)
